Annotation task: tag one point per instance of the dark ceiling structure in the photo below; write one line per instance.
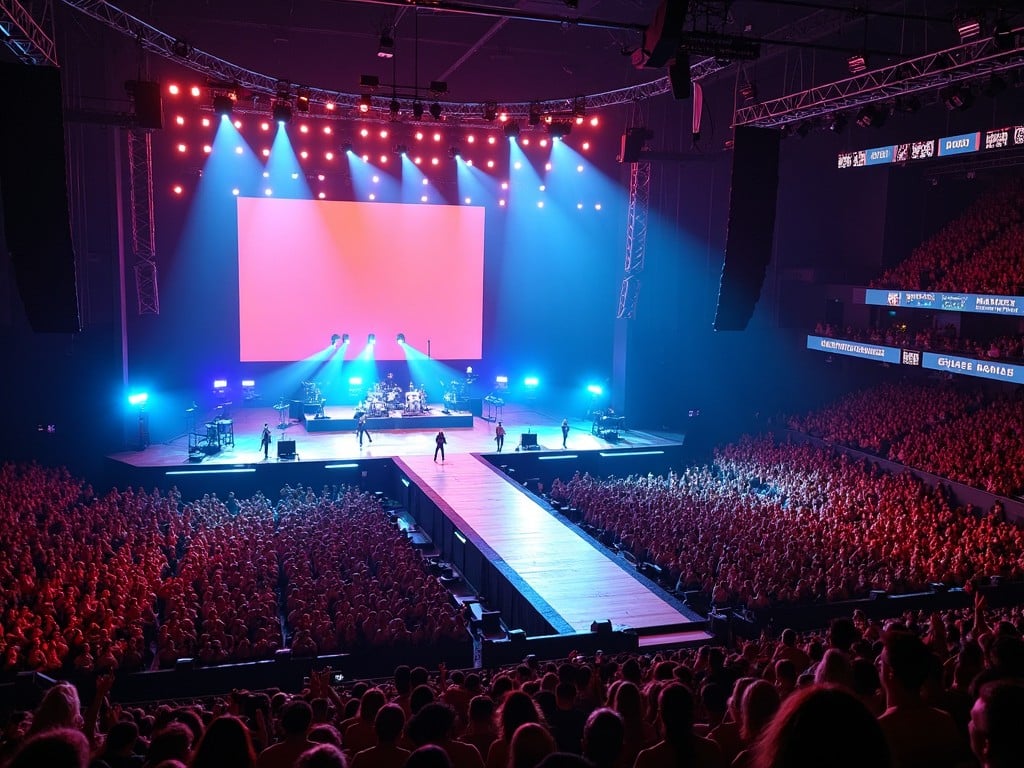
(785, 57)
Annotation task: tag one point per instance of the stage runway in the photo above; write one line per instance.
(416, 440)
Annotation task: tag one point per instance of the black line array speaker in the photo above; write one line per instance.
(34, 191)
(679, 77)
(748, 244)
(149, 106)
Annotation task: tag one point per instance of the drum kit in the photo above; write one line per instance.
(383, 399)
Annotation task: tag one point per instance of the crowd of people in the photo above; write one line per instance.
(950, 431)
(938, 690)
(980, 251)
(1007, 347)
(769, 523)
(131, 580)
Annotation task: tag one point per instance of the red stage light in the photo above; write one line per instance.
(238, 125)
(177, 188)
(491, 140)
(364, 132)
(265, 152)
(206, 122)
(469, 163)
(327, 130)
(329, 106)
(329, 155)
(490, 163)
(437, 137)
(594, 121)
(366, 158)
(419, 135)
(322, 195)
(579, 120)
(207, 148)
(303, 154)
(525, 141)
(303, 129)
(547, 166)
(418, 160)
(265, 126)
(470, 139)
(320, 177)
(383, 159)
(503, 117)
(173, 89)
(182, 148)
(543, 142)
(384, 133)
(504, 185)
(586, 145)
(195, 90)
(423, 198)
(179, 120)
(434, 161)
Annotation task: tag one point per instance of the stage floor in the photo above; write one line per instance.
(416, 440)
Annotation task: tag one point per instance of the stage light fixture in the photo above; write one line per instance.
(490, 111)
(335, 338)
(364, 103)
(346, 147)
(138, 398)
(302, 99)
(531, 381)
(394, 108)
(386, 47)
(454, 152)
(857, 64)
(220, 386)
(417, 110)
(968, 27)
(511, 129)
(748, 91)
(838, 123)
(371, 339)
(355, 381)
(401, 149)
(559, 128)
(957, 97)
(400, 338)
(501, 382)
(223, 103)
(282, 112)
(870, 117)
(435, 111)
(595, 389)
(344, 338)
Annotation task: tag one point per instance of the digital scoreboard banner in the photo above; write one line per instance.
(984, 304)
(854, 349)
(926, 149)
(968, 366)
(962, 366)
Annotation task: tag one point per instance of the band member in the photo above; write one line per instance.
(265, 441)
(499, 436)
(565, 431)
(362, 430)
(440, 440)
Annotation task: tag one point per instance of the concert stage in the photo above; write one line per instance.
(342, 419)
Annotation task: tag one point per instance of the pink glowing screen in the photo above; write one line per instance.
(308, 269)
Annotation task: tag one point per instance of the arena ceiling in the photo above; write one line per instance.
(533, 50)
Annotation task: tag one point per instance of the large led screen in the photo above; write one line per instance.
(308, 269)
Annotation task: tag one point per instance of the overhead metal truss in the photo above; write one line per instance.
(26, 35)
(263, 89)
(636, 237)
(140, 200)
(960, 64)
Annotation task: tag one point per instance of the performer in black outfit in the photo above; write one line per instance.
(440, 440)
(265, 441)
(565, 431)
(499, 436)
(362, 430)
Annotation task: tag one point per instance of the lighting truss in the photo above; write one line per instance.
(264, 88)
(636, 237)
(25, 36)
(140, 198)
(959, 64)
